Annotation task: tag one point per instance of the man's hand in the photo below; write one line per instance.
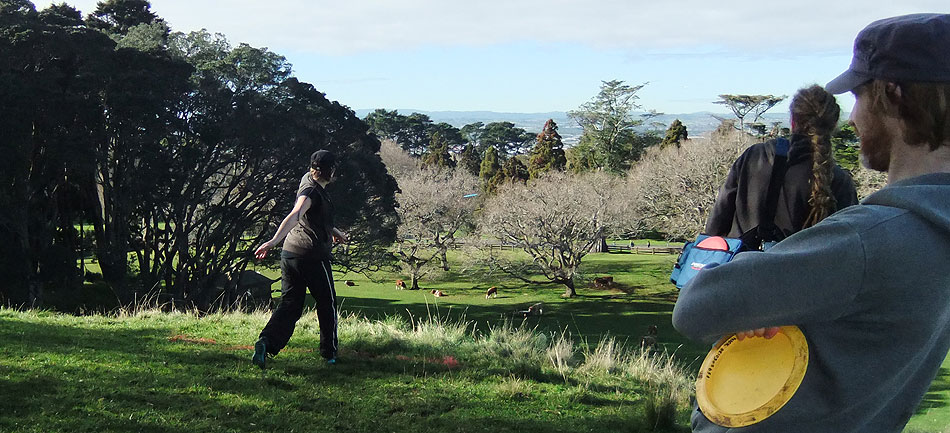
(761, 332)
(261, 251)
(339, 236)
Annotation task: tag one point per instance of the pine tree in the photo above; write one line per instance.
(675, 134)
(548, 153)
(515, 171)
(470, 161)
(437, 155)
(490, 172)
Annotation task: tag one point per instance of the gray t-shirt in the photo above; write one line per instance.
(312, 236)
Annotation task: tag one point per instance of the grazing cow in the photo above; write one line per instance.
(604, 282)
(534, 310)
(400, 284)
(492, 292)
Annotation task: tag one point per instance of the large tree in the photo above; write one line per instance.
(556, 220)
(232, 189)
(470, 160)
(386, 124)
(141, 106)
(548, 152)
(490, 173)
(433, 207)
(675, 134)
(165, 144)
(52, 71)
(437, 155)
(505, 137)
(609, 126)
(744, 105)
(673, 188)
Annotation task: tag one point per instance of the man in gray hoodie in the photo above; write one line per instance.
(869, 286)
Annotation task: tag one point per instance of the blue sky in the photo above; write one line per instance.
(539, 56)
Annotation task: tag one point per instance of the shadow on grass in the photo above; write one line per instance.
(938, 395)
(108, 377)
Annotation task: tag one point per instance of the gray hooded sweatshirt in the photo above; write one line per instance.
(869, 287)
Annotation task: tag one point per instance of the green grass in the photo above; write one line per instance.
(643, 297)
(933, 414)
(158, 372)
(101, 373)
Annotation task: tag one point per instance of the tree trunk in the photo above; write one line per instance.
(415, 282)
(569, 292)
(600, 246)
(445, 261)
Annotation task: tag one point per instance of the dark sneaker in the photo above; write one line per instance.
(260, 354)
(331, 361)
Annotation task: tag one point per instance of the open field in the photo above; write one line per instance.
(178, 372)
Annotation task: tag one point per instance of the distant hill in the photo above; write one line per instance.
(697, 124)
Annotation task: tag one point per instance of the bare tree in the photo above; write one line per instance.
(399, 163)
(433, 206)
(556, 219)
(868, 181)
(673, 188)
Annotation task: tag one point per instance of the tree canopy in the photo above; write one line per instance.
(164, 144)
(610, 140)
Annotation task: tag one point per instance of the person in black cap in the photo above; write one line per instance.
(867, 286)
(304, 263)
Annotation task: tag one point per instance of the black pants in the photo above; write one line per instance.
(297, 274)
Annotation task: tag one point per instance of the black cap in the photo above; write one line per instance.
(913, 48)
(322, 159)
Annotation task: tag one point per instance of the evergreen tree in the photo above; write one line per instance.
(675, 134)
(515, 171)
(548, 153)
(845, 143)
(437, 155)
(470, 161)
(490, 172)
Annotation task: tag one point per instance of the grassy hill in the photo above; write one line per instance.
(410, 362)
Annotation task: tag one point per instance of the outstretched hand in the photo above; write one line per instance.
(760, 332)
(262, 250)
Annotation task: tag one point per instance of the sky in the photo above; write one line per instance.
(532, 56)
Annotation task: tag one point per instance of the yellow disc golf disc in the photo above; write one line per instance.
(744, 382)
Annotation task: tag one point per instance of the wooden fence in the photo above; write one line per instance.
(660, 248)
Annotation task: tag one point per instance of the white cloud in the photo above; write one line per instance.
(335, 27)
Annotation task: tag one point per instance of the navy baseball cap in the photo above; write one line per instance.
(913, 48)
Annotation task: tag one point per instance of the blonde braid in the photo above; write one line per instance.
(815, 113)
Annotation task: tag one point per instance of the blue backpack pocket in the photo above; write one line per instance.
(699, 254)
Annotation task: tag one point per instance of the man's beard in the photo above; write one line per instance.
(876, 142)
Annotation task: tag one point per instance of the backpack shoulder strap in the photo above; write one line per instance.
(768, 231)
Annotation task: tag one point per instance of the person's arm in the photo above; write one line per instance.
(300, 206)
(723, 212)
(339, 235)
(811, 276)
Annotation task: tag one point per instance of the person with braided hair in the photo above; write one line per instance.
(868, 285)
(813, 188)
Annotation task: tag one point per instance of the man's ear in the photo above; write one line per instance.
(893, 93)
